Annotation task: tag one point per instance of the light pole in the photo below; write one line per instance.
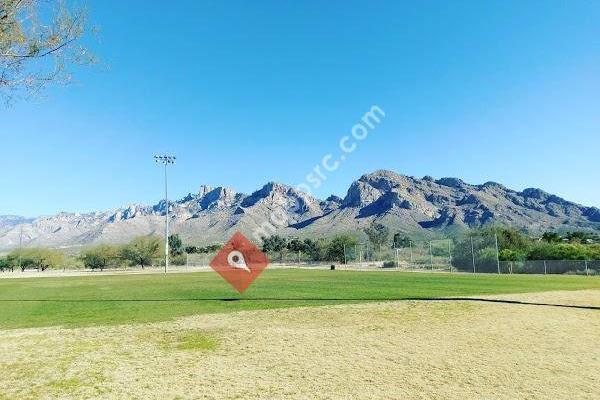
(166, 160)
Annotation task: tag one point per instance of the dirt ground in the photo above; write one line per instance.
(394, 350)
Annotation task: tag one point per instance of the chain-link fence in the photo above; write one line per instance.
(359, 253)
(476, 253)
(472, 252)
(199, 259)
(432, 255)
(569, 267)
(468, 254)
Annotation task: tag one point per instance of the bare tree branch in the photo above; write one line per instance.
(36, 53)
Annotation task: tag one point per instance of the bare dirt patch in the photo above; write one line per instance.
(414, 350)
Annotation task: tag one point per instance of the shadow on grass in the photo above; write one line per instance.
(349, 299)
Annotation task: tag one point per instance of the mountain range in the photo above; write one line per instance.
(423, 207)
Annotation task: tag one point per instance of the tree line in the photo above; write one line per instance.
(334, 248)
(145, 251)
(516, 246)
(142, 251)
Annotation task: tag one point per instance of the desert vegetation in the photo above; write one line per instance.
(142, 251)
(145, 251)
(514, 245)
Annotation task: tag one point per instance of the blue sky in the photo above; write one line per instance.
(248, 92)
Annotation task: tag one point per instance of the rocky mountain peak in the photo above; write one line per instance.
(535, 193)
(270, 191)
(275, 194)
(334, 199)
(493, 185)
(451, 182)
(217, 197)
(371, 187)
(331, 203)
(134, 210)
(204, 189)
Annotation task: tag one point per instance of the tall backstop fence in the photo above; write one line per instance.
(423, 255)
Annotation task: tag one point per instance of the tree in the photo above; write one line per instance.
(551, 237)
(296, 245)
(401, 241)
(582, 237)
(378, 234)
(512, 244)
(39, 42)
(141, 250)
(38, 258)
(336, 247)
(315, 249)
(274, 243)
(175, 245)
(4, 264)
(192, 249)
(211, 248)
(558, 251)
(100, 257)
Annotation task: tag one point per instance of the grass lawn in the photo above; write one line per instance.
(123, 299)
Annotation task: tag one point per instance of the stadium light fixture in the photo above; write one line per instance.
(166, 160)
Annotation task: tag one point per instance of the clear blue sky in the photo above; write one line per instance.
(248, 92)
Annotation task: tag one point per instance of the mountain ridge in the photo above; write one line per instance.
(423, 206)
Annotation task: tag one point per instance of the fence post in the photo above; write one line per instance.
(430, 256)
(345, 260)
(449, 255)
(497, 252)
(545, 268)
(411, 253)
(473, 253)
(587, 272)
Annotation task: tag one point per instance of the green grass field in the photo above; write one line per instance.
(120, 299)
